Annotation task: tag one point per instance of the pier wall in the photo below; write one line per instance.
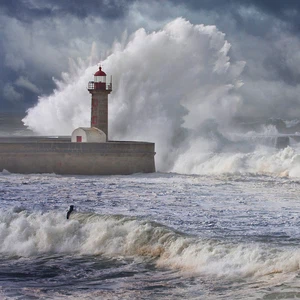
(60, 157)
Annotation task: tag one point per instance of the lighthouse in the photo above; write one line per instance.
(87, 152)
(99, 90)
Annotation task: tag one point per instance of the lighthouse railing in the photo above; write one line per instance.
(91, 85)
(109, 87)
(99, 86)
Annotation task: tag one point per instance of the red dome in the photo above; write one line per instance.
(100, 73)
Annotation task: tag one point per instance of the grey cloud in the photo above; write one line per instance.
(282, 9)
(39, 38)
(10, 93)
(25, 83)
(43, 49)
(26, 10)
(256, 16)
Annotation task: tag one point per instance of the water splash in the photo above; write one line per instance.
(177, 87)
(166, 84)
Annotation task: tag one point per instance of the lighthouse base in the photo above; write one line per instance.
(60, 156)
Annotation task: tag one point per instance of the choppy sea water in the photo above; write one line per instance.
(149, 236)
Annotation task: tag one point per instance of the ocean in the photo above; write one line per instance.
(166, 235)
(149, 236)
(219, 219)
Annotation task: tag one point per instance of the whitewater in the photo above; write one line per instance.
(220, 218)
(155, 236)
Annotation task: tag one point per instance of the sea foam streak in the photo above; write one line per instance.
(177, 87)
(29, 234)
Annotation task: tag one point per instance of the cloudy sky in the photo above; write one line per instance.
(41, 39)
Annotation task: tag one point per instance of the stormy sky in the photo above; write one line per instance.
(41, 39)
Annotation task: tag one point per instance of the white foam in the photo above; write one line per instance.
(28, 234)
(264, 160)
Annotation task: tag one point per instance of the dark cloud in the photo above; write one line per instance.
(283, 9)
(40, 37)
(286, 11)
(26, 10)
(280, 8)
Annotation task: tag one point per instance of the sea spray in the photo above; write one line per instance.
(165, 85)
(177, 87)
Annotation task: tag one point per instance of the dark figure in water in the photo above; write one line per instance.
(70, 210)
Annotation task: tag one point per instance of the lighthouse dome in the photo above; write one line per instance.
(100, 72)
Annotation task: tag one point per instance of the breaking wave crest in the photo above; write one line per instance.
(28, 234)
(283, 163)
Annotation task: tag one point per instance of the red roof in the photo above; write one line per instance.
(100, 73)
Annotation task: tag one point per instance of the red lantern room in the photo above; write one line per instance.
(100, 76)
(99, 82)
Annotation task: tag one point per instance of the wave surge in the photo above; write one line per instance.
(28, 234)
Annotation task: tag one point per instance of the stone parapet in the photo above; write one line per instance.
(109, 158)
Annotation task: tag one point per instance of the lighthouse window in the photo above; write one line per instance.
(100, 79)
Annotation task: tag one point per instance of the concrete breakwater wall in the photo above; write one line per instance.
(41, 155)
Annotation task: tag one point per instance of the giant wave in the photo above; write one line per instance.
(177, 87)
